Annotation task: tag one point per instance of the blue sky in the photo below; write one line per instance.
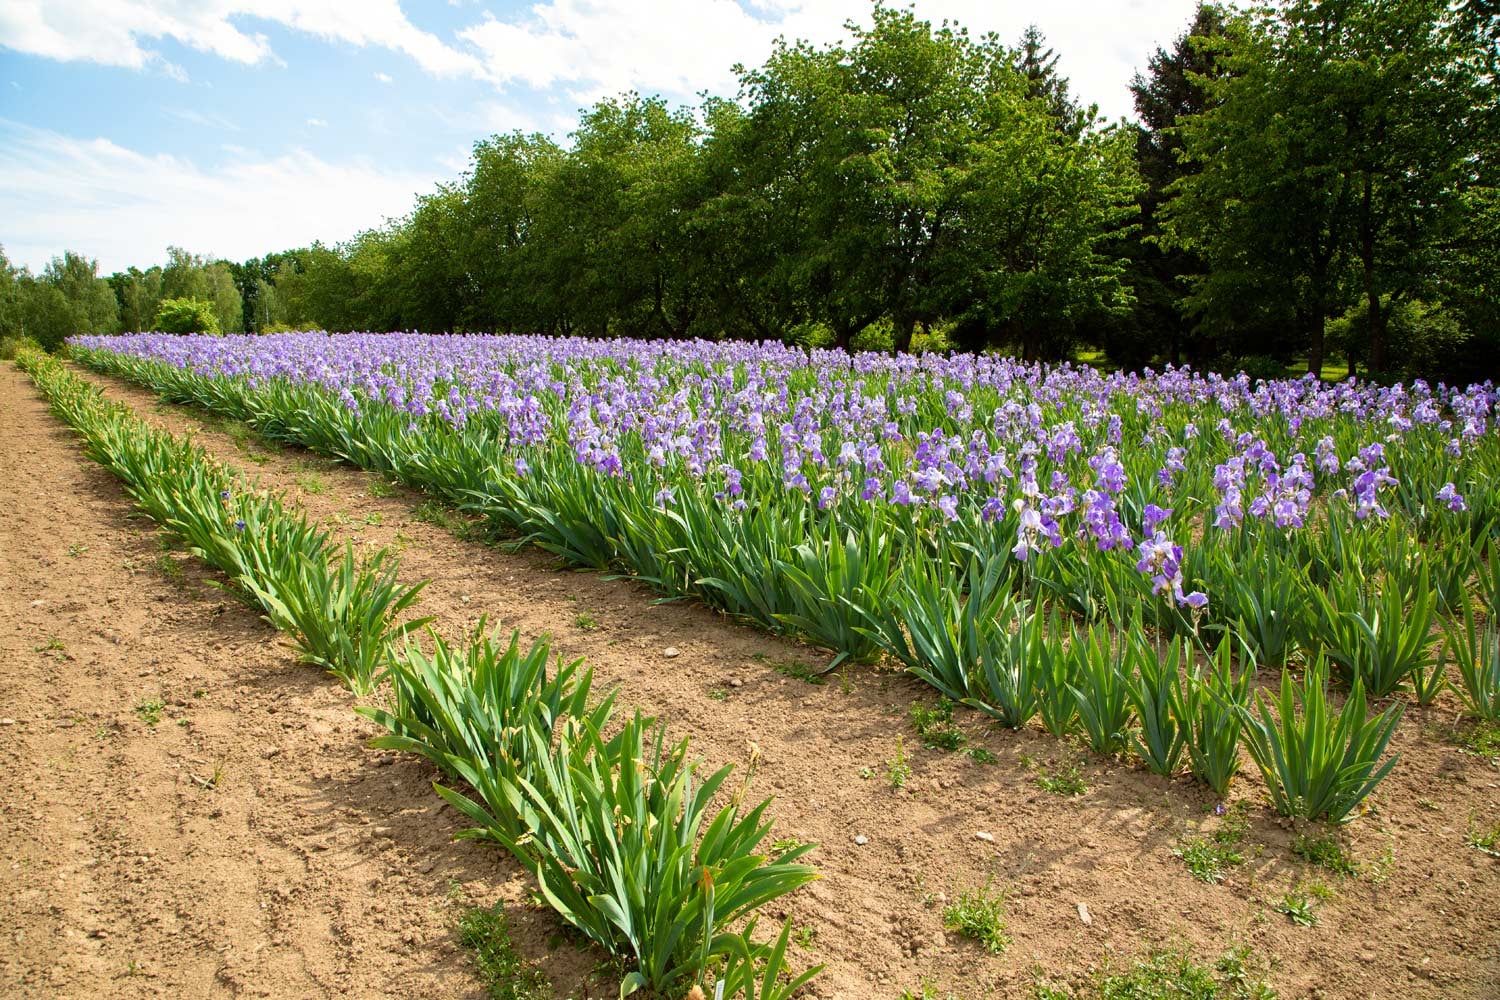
(235, 128)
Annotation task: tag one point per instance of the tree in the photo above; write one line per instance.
(1333, 163)
(1039, 211)
(187, 316)
(10, 298)
(611, 230)
(1171, 90)
(503, 199)
(861, 154)
(1038, 64)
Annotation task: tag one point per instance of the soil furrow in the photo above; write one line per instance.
(1417, 923)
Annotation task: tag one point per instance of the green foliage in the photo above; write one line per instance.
(1380, 640)
(1476, 653)
(11, 347)
(1326, 852)
(1298, 908)
(1318, 766)
(478, 701)
(757, 972)
(1208, 711)
(186, 316)
(501, 968)
(1330, 158)
(1155, 685)
(1170, 975)
(897, 770)
(1066, 780)
(935, 726)
(945, 637)
(1102, 690)
(979, 914)
(1210, 858)
(1263, 591)
(621, 838)
(1485, 839)
(340, 613)
(1209, 861)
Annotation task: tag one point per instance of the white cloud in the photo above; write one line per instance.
(206, 119)
(317, 123)
(125, 207)
(594, 48)
(584, 49)
(112, 32)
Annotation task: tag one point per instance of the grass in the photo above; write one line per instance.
(1170, 975)
(897, 770)
(380, 488)
(149, 710)
(76, 549)
(502, 970)
(927, 991)
(1067, 780)
(170, 569)
(1298, 907)
(55, 646)
(312, 483)
(935, 726)
(1481, 739)
(936, 729)
(1326, 852)
(247, 441)
(1486, 839)
(1210, 858)
(979, 914)
(795, 669)
(586, 621)
(439, 514)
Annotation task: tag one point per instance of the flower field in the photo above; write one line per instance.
(1108, 557)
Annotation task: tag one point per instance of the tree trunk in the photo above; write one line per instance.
(1029, 339)
(1314, 322)
(1372, 293)
(843, 333)
(901, 331)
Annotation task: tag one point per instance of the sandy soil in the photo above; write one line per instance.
(317, 866)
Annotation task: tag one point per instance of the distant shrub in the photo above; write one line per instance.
(1263, 366)
(11, 346)
(811, 334)
(186, 316)
(308, 327)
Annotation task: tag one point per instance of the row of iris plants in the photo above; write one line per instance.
(620, 831)
(915, 506)
(339, 609)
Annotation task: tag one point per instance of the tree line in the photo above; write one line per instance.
(1310, 181)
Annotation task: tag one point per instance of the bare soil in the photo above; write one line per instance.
(314, 866)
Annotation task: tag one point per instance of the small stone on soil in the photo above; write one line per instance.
(861, 840)
(670, 652)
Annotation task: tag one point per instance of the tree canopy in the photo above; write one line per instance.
(1308, 179)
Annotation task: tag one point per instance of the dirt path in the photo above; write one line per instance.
(243, 843)
(1424, 927)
